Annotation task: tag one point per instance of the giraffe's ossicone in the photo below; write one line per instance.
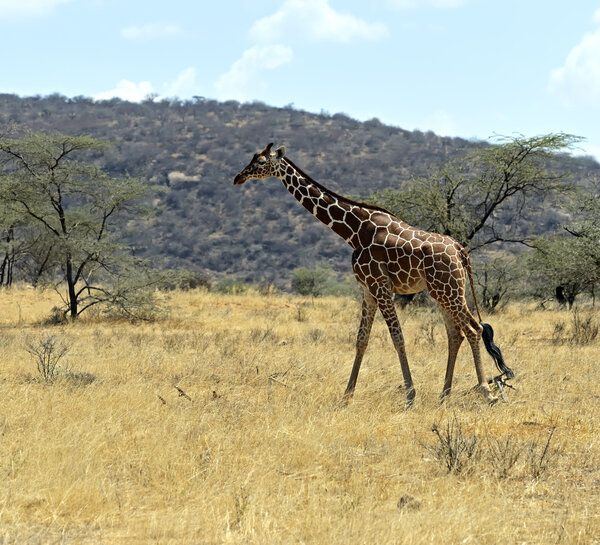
(391, 257)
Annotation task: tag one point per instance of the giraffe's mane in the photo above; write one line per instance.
(337, 195)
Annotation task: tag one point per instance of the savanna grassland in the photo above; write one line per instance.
(259, 449)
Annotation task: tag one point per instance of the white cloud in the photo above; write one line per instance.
(244, 80)
(441, 123)
(577, 81)
(151, 31)
(314, 19)
(127, 90)
(588, 149)
(28, 8)
(414, 4)
(184, 86)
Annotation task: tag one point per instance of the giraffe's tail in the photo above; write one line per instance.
(488, 333)
(488, 340)
(467, 265)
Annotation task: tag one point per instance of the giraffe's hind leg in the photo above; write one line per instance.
(465, 322)
(473, 331)
(369, 307)
(455, 339)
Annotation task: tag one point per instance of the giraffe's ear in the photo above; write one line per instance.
(280, 152)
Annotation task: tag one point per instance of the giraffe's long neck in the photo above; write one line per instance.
(343, 217)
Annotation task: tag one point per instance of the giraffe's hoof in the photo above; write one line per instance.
(346, 399)
(485, 390)
(492, 400)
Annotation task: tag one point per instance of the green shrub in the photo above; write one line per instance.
(184, 279)
(231, 286)
(310, 281)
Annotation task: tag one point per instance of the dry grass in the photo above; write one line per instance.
(264, 454)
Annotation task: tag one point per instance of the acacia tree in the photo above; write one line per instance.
(25, 252)
(465, 197)
(586, 228)
(559, 266)
(568, 264)
(77, 211)
(8, 252)
(498, 279)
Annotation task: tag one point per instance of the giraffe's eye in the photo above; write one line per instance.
(262, 160)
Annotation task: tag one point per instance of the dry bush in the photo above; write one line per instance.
(47, 351)
(459, 452)
(455, 450)
(584, 329)
(426, 332)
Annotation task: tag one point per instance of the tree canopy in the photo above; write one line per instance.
(466, 197)
(568, 263)
(72, 212)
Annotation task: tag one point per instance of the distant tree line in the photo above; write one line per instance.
(519, 189)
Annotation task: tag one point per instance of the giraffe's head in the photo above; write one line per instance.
(263, 165)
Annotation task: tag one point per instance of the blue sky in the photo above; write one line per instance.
(470, 68)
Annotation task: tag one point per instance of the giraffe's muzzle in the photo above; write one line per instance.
(239, 179)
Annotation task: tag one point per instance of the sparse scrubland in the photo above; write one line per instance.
(259, 449)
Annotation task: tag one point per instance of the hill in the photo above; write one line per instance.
(194, 149)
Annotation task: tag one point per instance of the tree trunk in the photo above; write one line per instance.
(6, 269)
(72, 295)
(560, 296)
(3, 269)
(42, 268)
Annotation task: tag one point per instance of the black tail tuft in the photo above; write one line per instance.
(494, 351)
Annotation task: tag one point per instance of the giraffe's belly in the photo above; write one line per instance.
(404, 286)
(406, 276)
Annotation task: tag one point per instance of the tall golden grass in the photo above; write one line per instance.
(261, 451)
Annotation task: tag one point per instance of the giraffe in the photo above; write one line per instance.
(390, 257)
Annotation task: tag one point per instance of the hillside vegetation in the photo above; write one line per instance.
(259, 450)
(193, 150)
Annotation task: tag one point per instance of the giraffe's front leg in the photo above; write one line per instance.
(369, 307)
(386, 306)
